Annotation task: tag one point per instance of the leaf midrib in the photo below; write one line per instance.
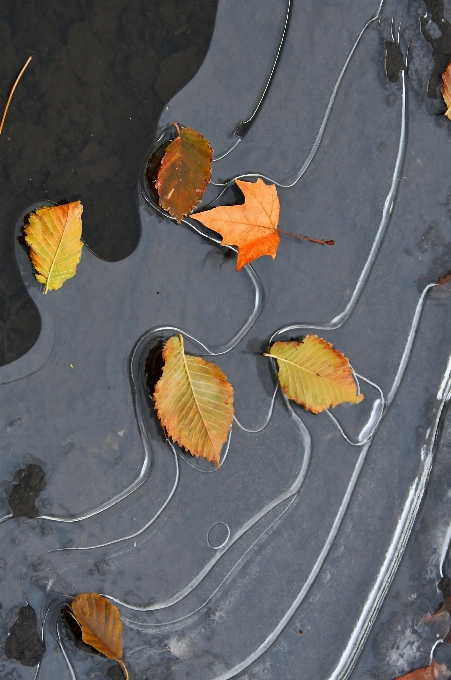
(302, 368)
(56, 252)
(182, 348)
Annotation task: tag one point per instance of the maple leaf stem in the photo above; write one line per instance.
(12, 91)
(307, 238)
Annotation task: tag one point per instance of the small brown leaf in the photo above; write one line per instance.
(184, 172)
(101, 625)
(446, 90)
(194, 402)
(252, 226)
(314, 374)
(436, 671)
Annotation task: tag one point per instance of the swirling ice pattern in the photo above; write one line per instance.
(379, 411)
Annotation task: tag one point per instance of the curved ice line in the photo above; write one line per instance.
(229, 150)
(313, 574)
(287, 184)
(293, 489)
(267, 419)
(64, 653)
(148, 626)
(389, 566)
(136, 533)
(341, 318)
(373, 421)
(408, 346)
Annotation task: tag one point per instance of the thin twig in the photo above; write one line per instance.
(12, 91)
(307, 238)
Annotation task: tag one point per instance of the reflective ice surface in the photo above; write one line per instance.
(216, 573)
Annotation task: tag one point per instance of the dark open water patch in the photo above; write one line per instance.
(82, 118)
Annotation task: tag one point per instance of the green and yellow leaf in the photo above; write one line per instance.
(54, 239)
(194, 402)
(101, 625)
(184, 172)
(314, 374)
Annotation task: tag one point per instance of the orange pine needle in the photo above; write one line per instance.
(12, 91)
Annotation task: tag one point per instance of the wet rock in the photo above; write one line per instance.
(23, 642)
(30, 481)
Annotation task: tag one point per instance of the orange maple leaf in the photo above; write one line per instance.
(436, 671)
(252, 226)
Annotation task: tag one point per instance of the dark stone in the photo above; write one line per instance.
(30, 482)
(116, 673)
(23, 642)
(394, 61)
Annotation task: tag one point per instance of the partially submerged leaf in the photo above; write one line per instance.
(101, 625)
(252, 226)
(194, 402)
(436, 671)
(314, 374)
(54, 238)
(184, 172)
(446, 90)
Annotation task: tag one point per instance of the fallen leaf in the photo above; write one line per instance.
(54, 238)
(314, 374)
(184, 172)
(436, 671)
(446, 90)
(194, 402)
(252, 226)
(101, 625)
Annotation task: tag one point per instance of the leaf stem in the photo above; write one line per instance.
(307, 238)
(124, 668)
(12, 91)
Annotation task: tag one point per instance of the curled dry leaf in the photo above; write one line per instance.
(54, 238)
(194, 402)
(252, 226)
(446, 90)
(101, 625)
(436, 671)
(184, 172)
(314, 374)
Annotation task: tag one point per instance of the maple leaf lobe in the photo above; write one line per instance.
(251, 226)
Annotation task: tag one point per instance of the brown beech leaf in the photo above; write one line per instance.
(446, 90)
(252, 226)
(101, 625)
(314, 374)
(194, 402)
(54, 238)
(184, 172)
(436, 671)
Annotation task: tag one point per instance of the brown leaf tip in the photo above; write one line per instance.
(443, 279)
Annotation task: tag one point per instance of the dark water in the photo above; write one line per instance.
(82, 117)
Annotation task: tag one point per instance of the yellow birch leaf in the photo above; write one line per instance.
(54, 238)
(314, 374)
(194, 402)
(101, 625)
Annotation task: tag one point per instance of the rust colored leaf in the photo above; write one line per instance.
(100, 624)
(194, 402)
(446, 90)
(54, 238)
(252, 226)
(436, 671)
(314, 374)
(184, 172)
